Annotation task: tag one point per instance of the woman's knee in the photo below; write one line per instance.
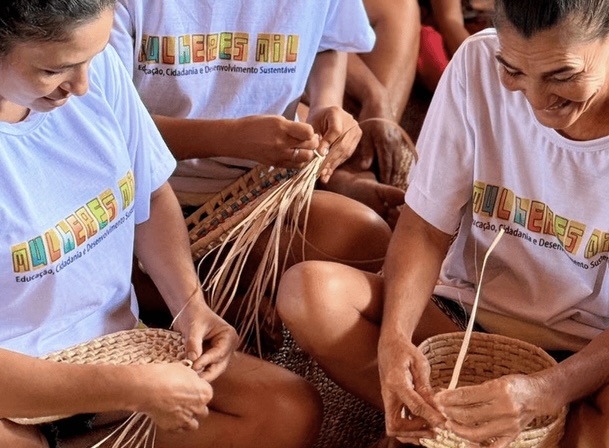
(305, 293)
(274, 404)
(299, 405)
(293, 285)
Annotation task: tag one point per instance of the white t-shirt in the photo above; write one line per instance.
(487, 163)
(74, 183)
(230, 59)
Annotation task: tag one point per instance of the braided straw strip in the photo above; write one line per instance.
(209, 226)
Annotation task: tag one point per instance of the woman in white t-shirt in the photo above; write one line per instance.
(83, 182)
(223, 81)
(516, 138)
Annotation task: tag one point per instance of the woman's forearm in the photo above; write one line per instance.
(199, 138)
(326, 82)
(162, 246)
(411, 270)
(579, 376)
(35, 388)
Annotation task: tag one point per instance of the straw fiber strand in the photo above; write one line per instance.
(490, 356)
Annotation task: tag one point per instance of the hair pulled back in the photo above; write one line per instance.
(44, 20)
(528, 17)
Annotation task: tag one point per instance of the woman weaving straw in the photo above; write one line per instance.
(517, 137)
(84, 184)
(232, 76)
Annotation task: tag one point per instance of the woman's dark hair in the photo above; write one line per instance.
(44, 20)
(529, 17)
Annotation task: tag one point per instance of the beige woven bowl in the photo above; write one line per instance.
(490, 356)
(137, 346)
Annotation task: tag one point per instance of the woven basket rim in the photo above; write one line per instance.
(482, 336)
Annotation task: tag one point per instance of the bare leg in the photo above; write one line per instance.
(343, 230)
(255, 404)
(334, 314)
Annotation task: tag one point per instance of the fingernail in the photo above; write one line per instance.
(192, 356)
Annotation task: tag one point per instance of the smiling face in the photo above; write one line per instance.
(563, 77)
(43, 75)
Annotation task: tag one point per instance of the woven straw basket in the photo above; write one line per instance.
(490, 356)
(138, 346)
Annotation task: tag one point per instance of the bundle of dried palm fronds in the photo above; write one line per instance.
(279, 210)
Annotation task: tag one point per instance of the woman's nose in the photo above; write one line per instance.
(78, 82)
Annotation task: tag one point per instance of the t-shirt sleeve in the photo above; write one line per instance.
(442, 179)
(347, 28)
(122, 37)
(152, 161)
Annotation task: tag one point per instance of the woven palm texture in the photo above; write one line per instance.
(491, 356)
(209, 226)
(348, 421)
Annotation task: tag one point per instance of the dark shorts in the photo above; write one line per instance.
(455, 312)
(65, 428)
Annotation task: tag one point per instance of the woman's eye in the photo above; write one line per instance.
(510, 72)
(51, 72)
(567, 79)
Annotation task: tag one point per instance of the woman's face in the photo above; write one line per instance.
(43, 75)
(563, 78)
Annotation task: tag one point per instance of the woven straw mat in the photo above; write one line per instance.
(348, 421)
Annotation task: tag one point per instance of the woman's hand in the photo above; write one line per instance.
(210, 341)
(410, 412)
(340, 134)
(381, 140)
(496, 412)
(175, 397)
(274, 140)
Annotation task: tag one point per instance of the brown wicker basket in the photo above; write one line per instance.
(137, 346)
(209, 224)
(490, 356)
